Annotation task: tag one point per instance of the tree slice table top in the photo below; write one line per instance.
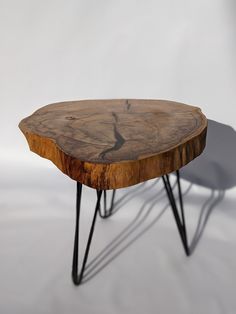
(110, 144)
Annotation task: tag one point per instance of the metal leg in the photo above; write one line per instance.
(106, 212)
(77, 277)
(179, 221)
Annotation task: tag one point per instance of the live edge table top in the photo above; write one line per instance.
(110, 144)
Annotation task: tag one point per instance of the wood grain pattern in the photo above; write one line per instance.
(108, 144)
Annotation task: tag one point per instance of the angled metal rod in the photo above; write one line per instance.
(180, 224)
(107, 212)
(181, 205)
(78, 277)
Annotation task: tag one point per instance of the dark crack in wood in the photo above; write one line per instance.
(118, 143)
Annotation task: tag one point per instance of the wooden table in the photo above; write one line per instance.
(111, 144)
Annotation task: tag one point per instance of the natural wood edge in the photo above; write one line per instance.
(105, 176)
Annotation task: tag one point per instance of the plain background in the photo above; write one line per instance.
(65, 50)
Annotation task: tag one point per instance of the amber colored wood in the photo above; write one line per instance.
(109, 144)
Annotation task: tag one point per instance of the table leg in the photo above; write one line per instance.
(107, 212)
(180, 219)
(77, 277)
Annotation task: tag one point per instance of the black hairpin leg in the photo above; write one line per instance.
(107, 212)
(77, 277)
(179, 221)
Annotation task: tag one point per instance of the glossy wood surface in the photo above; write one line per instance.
(108, 144)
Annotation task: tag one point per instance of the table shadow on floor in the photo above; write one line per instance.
(214, 169)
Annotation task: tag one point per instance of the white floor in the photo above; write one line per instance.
(142, 267)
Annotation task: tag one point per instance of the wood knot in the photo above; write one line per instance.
(70, 118)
